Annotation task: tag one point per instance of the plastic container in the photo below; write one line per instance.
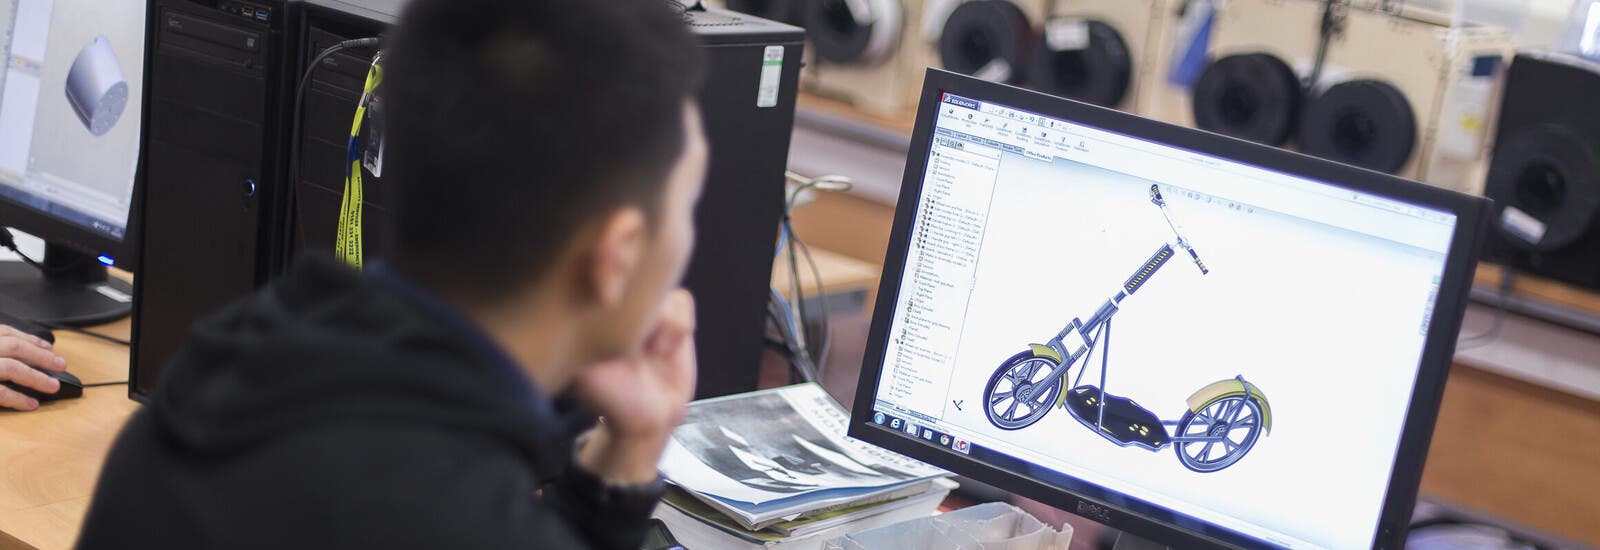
(992, 526)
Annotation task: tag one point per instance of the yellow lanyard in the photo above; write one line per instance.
(348, 246)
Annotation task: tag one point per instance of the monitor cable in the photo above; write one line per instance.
(9, 242)
(91, 334)
(1507, 285)
(291, 212)
(807, 350)
(788, 342)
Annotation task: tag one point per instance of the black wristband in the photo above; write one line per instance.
(613, 496)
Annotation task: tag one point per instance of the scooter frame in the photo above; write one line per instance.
(1240, 396)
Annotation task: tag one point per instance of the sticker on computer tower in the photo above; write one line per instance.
(771, 77)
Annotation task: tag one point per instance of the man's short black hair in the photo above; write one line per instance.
(511, 123)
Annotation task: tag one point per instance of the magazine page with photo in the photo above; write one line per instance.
(778, 444)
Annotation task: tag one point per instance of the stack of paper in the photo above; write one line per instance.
(774, 468)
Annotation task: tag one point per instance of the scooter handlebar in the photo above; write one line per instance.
(1158, 200)
(1197, 261)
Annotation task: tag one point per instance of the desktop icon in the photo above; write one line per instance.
(962, 446)
(894, 424)
(927, 434)
(944, 440)
(878, 418)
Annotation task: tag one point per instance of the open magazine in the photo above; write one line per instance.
(778, 454)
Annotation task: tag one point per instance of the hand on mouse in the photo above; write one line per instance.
(641, 398)
(23, 358)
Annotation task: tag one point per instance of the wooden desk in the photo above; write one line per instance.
(50, 458)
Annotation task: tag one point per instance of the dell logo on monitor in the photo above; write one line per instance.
(1093, 511)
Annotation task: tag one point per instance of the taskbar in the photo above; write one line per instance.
(72, 216)
(922, 429)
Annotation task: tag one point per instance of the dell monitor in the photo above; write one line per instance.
(1200, 341)
(71, 94)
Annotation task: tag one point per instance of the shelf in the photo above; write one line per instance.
(831, 137)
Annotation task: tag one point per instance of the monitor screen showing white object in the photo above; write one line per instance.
(1283, 325)
(70, 102)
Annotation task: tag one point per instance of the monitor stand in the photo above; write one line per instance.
(71, 288)
(1129, 542)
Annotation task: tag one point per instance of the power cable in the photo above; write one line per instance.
(296, 143)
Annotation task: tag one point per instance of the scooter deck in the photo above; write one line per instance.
(1126, 423)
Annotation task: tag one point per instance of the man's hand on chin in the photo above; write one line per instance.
(640, 399)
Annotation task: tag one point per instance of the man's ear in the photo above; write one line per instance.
(618, 250)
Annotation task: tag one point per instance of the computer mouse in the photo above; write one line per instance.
(71, 388)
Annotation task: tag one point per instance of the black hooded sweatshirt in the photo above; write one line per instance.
(344, 410)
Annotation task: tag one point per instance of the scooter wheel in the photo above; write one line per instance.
(1236, 418)
(1013, 399)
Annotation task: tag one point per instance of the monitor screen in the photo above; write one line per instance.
(70, 97)
(1202, 341)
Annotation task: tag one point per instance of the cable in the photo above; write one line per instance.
(9, 242)
(1507, 282)
(837, 184)
(1332, 23)
(106, 384)
(798, 371)
(798, 313)
(816, 346)
(95, 335)
(782, 318)
(296, 143)
(825, 342)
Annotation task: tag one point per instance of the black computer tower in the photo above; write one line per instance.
(219, 92)
(1545, 175)
(333, 90)
(748, 101)
(748, 125)
(223, 74)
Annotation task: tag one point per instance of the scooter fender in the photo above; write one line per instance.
(1046, 352)
(1229, 388)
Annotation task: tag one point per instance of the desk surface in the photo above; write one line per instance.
(50, 458)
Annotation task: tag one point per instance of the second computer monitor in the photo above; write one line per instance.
(1192, 338)
(71, 101)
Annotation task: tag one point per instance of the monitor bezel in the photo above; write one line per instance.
(1439, 348)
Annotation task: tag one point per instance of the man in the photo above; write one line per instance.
(545, 158)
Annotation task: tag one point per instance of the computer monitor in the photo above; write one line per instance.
(1283, 325)
(71, 94)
